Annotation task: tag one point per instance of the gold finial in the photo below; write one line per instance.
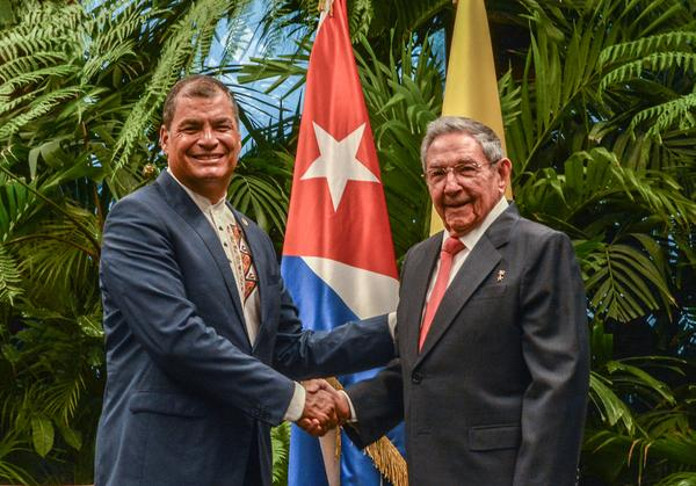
(323, 7)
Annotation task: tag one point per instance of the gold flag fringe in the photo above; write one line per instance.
(385, 456)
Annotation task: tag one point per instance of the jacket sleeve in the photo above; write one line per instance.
(349, 348)
(378, 403)
(555, 349)
(142, 280)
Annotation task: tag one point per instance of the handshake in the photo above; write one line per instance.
(325, 408)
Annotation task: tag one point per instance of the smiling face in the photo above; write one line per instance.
(463, 204)
(202, 144)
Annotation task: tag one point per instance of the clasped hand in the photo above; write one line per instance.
(325, 408)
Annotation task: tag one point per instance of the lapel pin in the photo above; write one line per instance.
(245, 222)
(501, 275)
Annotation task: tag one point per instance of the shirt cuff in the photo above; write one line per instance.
(297, 403)
(353, 416)
(391, 322)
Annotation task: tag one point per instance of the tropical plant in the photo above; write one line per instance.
(280, 442)
(598, 104)
(598, 134)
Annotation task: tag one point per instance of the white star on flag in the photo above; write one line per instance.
(337, 162)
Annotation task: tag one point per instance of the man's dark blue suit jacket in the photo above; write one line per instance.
(187, 394)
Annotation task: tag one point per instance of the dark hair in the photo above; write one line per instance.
(196, 86)
(484, 135)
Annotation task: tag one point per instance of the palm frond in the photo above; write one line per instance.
(40, 28)
(60, 245)
(621, 283)
(647, 46)
(38, 108)
(595, 178)
(15, 203)
(280, 441)
(10, 277)
(625, 271)
(19, 66)
(612, 410)
(282, 68)
(662, 435)
(560, 73)
(679, 113)
(679, 479)
(10, 444)
(261, 198)
(31, 78)
(652, 63)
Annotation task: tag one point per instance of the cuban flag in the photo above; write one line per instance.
(338, 257)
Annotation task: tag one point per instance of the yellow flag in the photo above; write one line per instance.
(471, 87)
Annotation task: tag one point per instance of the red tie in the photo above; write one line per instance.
(451, 248)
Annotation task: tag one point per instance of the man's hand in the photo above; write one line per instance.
(324, 408)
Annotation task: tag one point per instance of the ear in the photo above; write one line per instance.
(504, 168)
(163, 138)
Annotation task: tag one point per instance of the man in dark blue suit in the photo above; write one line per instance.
(203, 340)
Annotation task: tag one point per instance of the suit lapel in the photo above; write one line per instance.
(187, 209)
(420, 268)
(478, 265)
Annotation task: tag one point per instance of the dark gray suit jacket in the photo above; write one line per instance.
(497, 397)
(188, 396)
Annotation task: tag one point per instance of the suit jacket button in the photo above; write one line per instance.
(416, 378)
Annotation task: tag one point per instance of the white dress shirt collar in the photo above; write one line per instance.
(202, 202)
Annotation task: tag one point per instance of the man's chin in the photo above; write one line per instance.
(458, 226)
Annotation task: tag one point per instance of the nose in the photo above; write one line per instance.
(451, 185)
(207, 138)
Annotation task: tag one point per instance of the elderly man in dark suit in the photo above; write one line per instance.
(201, 334)
(492, 375)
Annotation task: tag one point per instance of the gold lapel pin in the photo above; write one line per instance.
(245, 222)
(501, 275)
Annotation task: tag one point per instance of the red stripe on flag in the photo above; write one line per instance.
(357, 232)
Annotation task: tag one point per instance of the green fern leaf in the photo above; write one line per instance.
(10, 277)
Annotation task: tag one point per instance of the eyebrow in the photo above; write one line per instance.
(198, 121)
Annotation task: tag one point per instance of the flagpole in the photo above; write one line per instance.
(330, 444)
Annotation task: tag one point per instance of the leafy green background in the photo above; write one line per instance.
(598, 101)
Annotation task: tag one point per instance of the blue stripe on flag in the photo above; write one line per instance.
(321, 308)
